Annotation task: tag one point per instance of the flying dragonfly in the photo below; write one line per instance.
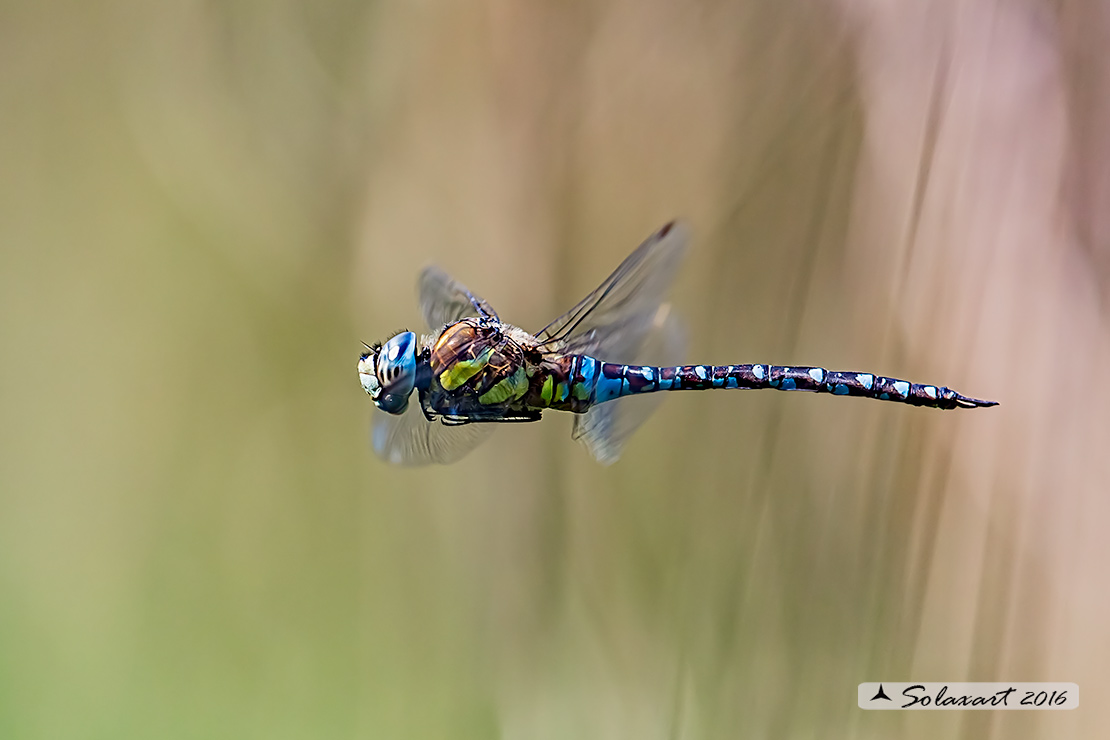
(473, 370)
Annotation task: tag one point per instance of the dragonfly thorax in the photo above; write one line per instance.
(388, 373)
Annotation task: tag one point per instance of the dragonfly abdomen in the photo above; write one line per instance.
(563, 383)
(616, 381)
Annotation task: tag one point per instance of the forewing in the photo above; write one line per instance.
(612, 321)
(444, 300)
(410, 439)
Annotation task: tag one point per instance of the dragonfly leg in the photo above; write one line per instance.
(500, 417)
(425, 405)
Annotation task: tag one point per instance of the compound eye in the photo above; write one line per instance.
(396, 368)
(392, 403)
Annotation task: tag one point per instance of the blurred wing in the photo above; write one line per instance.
(624, 320)
(410, 439)
(444, 300)
(606, 427)
(612, 321)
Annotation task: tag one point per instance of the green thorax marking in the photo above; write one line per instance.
(461, 371)
(510, 388)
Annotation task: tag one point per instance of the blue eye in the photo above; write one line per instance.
(391, 403)
(397, 364)
(396, 373)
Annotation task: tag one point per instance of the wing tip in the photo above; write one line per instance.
(676, 227)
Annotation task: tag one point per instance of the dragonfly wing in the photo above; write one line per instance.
(606, 427)
(410, 439)
(612, 321)
(444, 300)
(624, 320)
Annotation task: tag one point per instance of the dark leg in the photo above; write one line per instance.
(503, 416)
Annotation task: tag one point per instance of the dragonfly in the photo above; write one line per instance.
(472, 371)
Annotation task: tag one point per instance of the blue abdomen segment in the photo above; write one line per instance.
(616, 381)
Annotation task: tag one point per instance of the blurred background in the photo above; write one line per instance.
(206, 207)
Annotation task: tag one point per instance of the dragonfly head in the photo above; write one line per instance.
(388, 373)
